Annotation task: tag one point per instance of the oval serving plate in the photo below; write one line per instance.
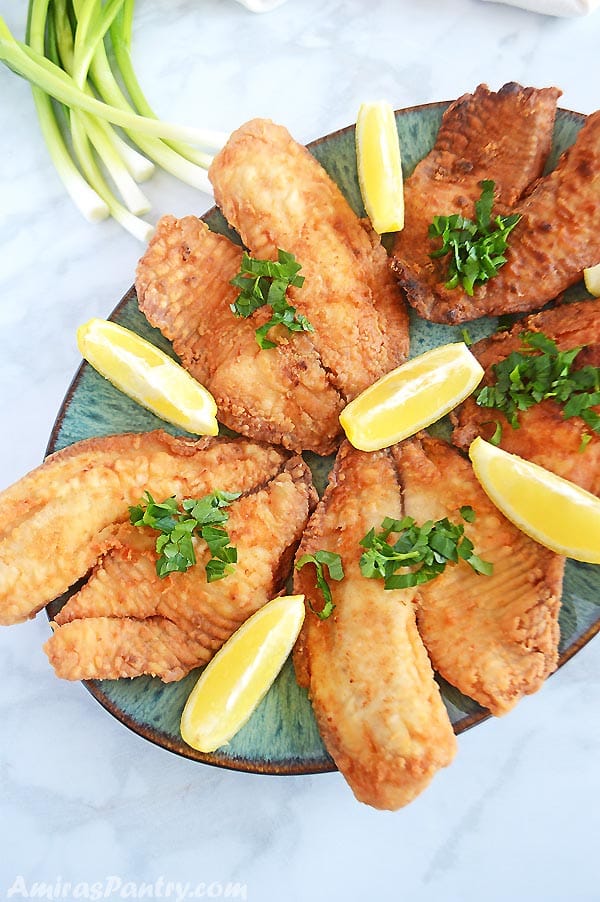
(282, 736)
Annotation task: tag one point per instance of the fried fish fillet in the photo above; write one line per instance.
(281, 395)
(543, 436)
(107, 647)
(177, 623)
(493, 637)
(371, 685)
(504, 136)
(53, 522)
(557, 237)
(276, 195)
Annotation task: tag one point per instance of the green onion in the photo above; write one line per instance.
(60, 49)
(177, 163)
(88, 201)
(22, 60)
(80, 98)
(120, 33)
(88, 132)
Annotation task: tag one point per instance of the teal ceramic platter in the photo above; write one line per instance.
(282, 737)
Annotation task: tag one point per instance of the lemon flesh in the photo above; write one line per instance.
(411, 397)
(380, 166)
(240, 674)
(148, 375)
(553, 511)
(591, 277)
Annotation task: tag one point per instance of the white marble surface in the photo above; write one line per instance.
(81, 798)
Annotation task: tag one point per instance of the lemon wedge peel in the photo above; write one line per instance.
(411, 397)
(240, 674)
(591, 278)
(379, 165)
(147, 375)
(551, 510)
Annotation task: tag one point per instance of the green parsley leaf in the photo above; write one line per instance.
(263, 282)
(176, 549)
(158, 516)
(475, 249)
(539, 371)
(483, 207)
(333, 562)
(423, 551)
(496, 438)
(174, 545)
(467, 513)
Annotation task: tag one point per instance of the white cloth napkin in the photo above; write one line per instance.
(556, 7)
(262, 6)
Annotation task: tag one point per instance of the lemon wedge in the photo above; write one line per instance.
(553, 511)
(591, 277)
(380, 166)
(148, 375)
(240, 674)
(411, 397)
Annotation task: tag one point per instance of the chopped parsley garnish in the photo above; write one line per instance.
(204, 517)
(333, 562)
(466, 337)
(263, 282)
(496, 438)
(540, 371)
(477, 248)
(422, 552)
(467, 513)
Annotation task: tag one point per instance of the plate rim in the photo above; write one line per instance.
(293, 766)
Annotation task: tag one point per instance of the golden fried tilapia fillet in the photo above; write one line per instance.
(281, 395)
(54, 521)
(504, 136)
(276, 195)
(168, 626)
(371, 685)
(557, 237)
(493, 637)
(543, 436)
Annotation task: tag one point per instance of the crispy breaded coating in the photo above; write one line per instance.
(504, 136)
(371, 685)
(493, 637)
(280, 395)
(53, 521)
(543, 436)
(557, 237)
(265, 526)
(105, 648)
(276, 195)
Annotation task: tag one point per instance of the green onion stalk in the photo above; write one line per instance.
(101, 133)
